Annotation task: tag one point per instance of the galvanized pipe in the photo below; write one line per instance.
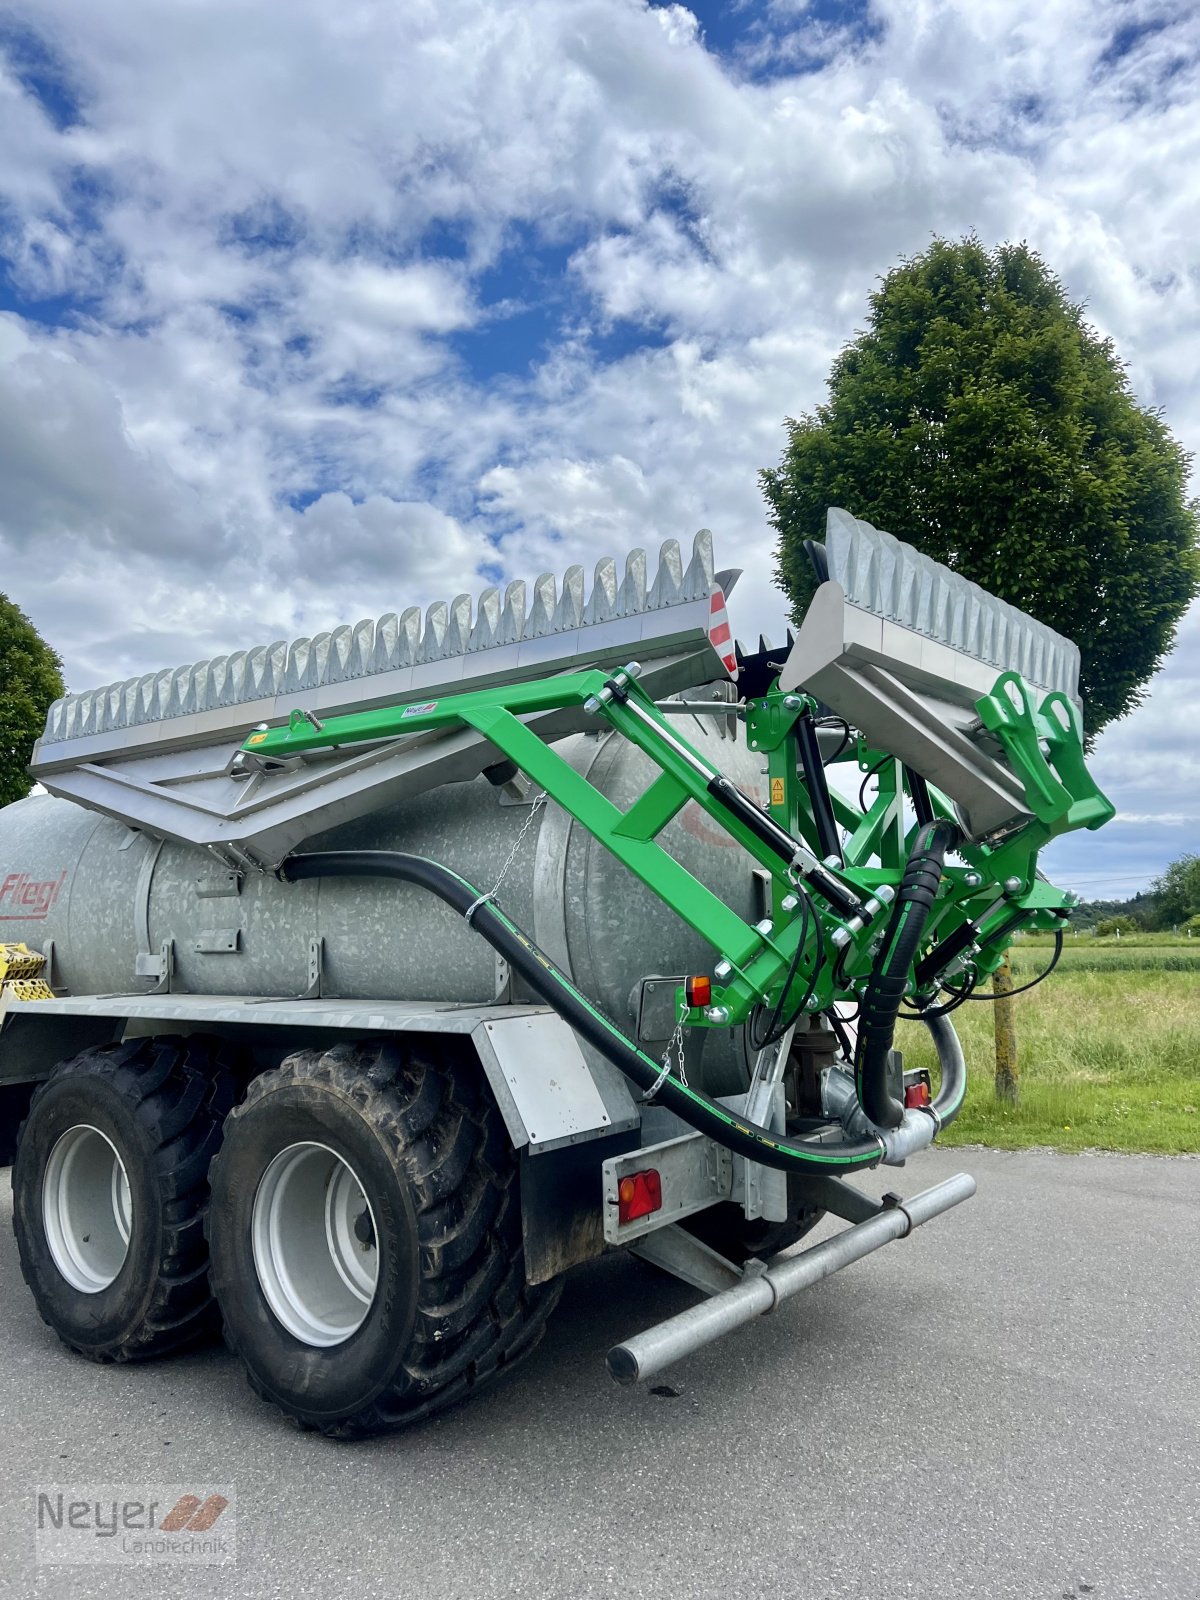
(647, 1353)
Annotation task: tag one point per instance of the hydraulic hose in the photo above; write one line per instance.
(707, 1116)
(885, 988)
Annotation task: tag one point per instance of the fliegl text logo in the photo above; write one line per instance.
(134, 1526)
(26, 899)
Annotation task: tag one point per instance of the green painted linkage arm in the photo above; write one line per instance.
(760, 961)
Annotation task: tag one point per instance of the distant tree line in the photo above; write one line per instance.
(1172, 901)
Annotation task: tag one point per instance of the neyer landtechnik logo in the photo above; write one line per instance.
(133, 1526)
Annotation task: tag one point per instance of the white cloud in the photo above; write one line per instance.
(391, 545)
(236, 213)
(1162, 819)
(68, 466)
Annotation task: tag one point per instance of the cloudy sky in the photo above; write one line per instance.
(312, 310)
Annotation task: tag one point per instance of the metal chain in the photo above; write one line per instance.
(675, 1042)
(491, 894)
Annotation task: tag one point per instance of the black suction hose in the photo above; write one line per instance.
(709, 1117)
(885, 988)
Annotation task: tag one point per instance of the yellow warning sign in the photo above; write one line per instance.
(776, 791)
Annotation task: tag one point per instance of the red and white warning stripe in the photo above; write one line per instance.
(719, 631)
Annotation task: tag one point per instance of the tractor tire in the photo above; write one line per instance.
(726, 1229)
(366, 1239)
(110, 1190)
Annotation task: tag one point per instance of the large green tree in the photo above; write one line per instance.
(982, 420)
(30, 678)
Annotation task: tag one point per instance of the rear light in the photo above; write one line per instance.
(916, 1095)
(638, 1195)
(698, 991)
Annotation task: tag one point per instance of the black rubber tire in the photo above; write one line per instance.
(726, 1229)
(451, 1308)
(14, 1108)
(162, 1103)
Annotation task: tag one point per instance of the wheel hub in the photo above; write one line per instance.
(87, 1208)
(315, 1244)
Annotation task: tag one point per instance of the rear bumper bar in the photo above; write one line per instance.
(649, 1352)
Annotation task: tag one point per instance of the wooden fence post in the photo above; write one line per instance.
(1007, 1072)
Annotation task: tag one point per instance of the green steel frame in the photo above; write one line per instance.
(996, 889)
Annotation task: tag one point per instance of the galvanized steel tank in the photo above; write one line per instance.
(107, 894)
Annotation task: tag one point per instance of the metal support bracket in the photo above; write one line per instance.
(316, 969)
(763, 1191)
(222, 885)
(837, 1197)
(504, 985)
(160, 967)
(674, 1250)
(48, 959)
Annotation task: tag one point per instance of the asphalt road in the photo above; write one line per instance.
(1007, 1404)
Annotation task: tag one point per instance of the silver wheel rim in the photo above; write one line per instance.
(314, 1242)
(87, 1208)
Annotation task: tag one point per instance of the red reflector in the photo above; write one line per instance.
(917, 1094)
(638, 1195)
(698, 991)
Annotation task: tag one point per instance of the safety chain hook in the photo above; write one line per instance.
(674, 1044)
(490, 895)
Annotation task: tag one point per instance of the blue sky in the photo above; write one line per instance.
(308, 312)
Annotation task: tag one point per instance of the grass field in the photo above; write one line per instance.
(1108, 1047)
(1137, 952)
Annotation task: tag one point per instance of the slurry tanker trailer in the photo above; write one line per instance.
(356, 988)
